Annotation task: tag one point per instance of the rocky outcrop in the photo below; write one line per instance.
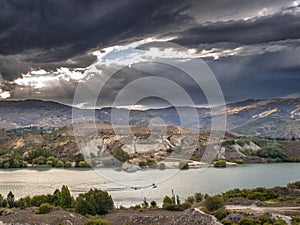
(196, 217)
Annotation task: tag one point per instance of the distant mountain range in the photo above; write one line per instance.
(269, 118)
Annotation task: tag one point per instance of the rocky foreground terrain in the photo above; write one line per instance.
(116, 217)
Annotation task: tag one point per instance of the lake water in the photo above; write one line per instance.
(138, 185)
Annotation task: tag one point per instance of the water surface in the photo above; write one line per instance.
(211, 181)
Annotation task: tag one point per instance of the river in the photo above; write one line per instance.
(138, 185)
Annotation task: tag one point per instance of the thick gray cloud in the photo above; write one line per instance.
(244, 32)
(257, 41)
(63, 29)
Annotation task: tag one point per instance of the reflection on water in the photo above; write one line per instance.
(144, 183)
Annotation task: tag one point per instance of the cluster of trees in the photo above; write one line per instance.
(39, 157)
(259, 193)
(12, 161)
(173, 203)
(93, 202)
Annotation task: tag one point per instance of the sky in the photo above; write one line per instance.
(49, 48)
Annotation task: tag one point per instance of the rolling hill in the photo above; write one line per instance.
(269, 118)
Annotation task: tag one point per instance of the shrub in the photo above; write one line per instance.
(44, 208)
(186, 205)
(183, 165)
(142, 164)
(24, 202)
(83, 164)
(161, 166)
(145, 203)
(37, 200)
(190, 199)
(120, 154)
(198, 197)
(6, 165)
(60, 164)
(10, 200)
(248, 221)
(271, 152)
(49, 163)
(65, 200)
(221, 163)
(94, 202)
(265, 219)
(167, 201)
(96, 221)
(295, 185)
(153, 204)
(295, 220)
(151, 163)
(280, 222)
(220, 214)
(68, 164)
(227, 222)
(214, 203)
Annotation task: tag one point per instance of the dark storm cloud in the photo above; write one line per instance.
(63, 29)
(267, 75)
(51, 34)
(280, 26)
(12, 66)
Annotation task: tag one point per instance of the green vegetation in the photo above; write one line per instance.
(96, 220)
(214, 203)
(94, 202)
(295, 220)
(183, 165)
(259, 193)
(295, 185)
(162, 166)
(83, 164)
(44, 208)
(120, 154)
(221, 163)
(97, 202)
(173, 203)
(220, 213)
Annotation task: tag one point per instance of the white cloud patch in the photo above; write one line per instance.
(4, 94)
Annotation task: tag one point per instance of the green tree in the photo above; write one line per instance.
(44, 208)
(162, 166)
(248, 221)
(167, 202)
(120, 154)
(190, 199)
(68, 164)
(198, 197)
(145, 203)
(94, 202)
(65, 199)
(220, 214)
(183, 165)
(153, 204)
(60, 164)
(221, 163)
(10, 200)
(83, 164)
(214, 203)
